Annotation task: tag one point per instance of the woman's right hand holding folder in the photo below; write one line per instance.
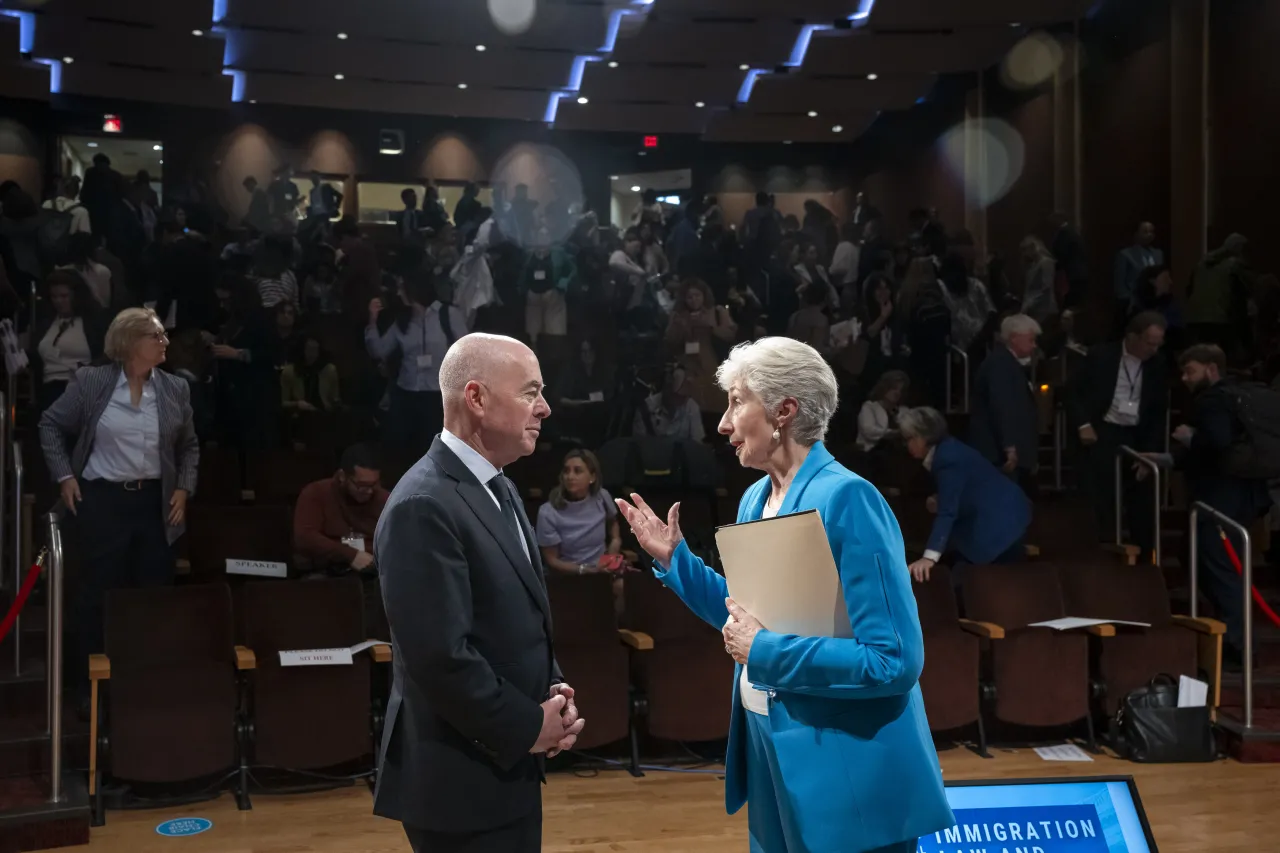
(658, 539)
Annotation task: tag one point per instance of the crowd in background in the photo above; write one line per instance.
(300, 320)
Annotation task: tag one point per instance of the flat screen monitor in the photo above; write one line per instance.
(1101, 814)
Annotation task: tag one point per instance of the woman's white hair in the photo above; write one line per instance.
(1018, 324)
(777, 368)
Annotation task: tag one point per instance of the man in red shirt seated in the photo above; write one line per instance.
(334, 520)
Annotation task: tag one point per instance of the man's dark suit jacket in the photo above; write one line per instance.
(1094, 387)
(1004, 411)
(471, 632)
(1216, 429)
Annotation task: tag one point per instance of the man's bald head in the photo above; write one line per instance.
(476, 357)
(492, 390)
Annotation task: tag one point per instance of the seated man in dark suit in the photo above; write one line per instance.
(982, 516)
(477, 702)
(1119, 397)
(1005, 424)
(1213, 430)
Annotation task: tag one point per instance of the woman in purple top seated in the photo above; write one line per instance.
(579, 524)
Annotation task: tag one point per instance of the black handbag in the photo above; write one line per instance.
(1152, 729)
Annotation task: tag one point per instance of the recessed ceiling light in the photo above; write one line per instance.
(699, 104)
(786, 142)
(197, 33)
(93, 145)
(613, 177)
(813, 113)
(1015, 23)
(641, 153)
(462, 85)
(157, 147)
(481, 48)
(253, 100)
(635, 189)
(339, 77)
(873, 76)
(162, 162)
(68, 59)
(582, 99)
(613, 63)
(744, 67)
(836, 129)
(342, 36)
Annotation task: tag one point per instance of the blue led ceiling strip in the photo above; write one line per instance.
(239, 77)
(576, 72)
(27, 45)
(801, 47)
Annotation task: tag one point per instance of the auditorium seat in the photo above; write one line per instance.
(950, 680)
(592, 656)
(308, 717)
(164, 696)
(1040, 676)
(219, 533)
(1135, 655)
(685, 678)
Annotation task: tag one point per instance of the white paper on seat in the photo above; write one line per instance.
(1067, 623)
(257, 568)
(327, 657)
(1063, 752)
(1192, 692)
(781, 571)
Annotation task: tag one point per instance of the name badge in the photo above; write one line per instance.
(424, 360)
(596, 397)
(692, 348)
(1128, 408)
(539, 275)
(356, 542)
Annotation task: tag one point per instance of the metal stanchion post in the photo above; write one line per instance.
(16, 532)
(53, 649)
(1193, 536)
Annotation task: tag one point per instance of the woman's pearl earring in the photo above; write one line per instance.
(777, 435)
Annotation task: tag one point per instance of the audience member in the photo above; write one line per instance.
(128, 475)
(810, 324)
(309, 381)
(844, 265)
(579, 522)
(1210, 448)
(246, 389)
(67, 201)
(421, 334)
(1038, 299)
(1218, 300)
(696, 331)
(1118, 399)
(81, 248)
(1131, 261)
(878, 417)
(813, 274)
(1073, 261)
(1004, 425)
(671, 412)
(335, 518)
(982, 516)
(544, 281)
(69, 333)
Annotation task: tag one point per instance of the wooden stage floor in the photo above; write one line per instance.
(1221, 807)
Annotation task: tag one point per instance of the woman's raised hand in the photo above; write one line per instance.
(658, 539)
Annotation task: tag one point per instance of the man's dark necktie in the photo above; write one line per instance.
(502, 492)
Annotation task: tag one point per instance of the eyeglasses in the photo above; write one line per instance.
(161, 335)
(362, 487)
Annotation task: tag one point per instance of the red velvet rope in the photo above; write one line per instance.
(1235, 561)
(28, 583)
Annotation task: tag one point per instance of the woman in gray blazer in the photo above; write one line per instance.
(121, 444)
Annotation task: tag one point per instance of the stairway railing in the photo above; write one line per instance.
(1246, 559)
(1124, 451)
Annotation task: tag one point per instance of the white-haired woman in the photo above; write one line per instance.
(121, 443)
(828, 740)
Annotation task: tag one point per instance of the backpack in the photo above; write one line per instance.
(1255, 455)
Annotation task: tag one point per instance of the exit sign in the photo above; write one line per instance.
(651, 142)
(111, 124)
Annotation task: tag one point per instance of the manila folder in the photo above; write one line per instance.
(781, 571)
